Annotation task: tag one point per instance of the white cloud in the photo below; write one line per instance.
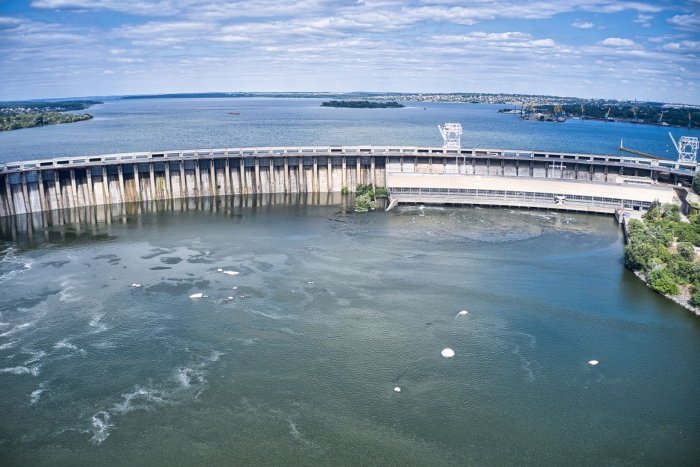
(617, 42)
(616, 7)
(683, 46)
(137, 7)
(582, 24)
(689, 22)
(643, 20)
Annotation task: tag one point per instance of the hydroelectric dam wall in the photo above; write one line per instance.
(29, 187)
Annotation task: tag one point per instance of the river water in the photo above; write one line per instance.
(162, 124)
(311, 315)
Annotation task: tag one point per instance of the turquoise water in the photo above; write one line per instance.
(329, 311)
(161, 124)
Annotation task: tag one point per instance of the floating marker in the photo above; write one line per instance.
(397, 389)
(463, 313)
(197, 295)
(447, 353)
(593, 362)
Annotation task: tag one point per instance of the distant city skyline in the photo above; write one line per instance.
(645, 50)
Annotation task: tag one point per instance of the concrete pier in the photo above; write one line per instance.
(28, 187)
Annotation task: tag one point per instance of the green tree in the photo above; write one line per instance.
(686, 251)
(695, 298)
(364, 203)
(662, 282)
(639, 255)
(696, 183)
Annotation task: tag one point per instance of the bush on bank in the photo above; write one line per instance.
(662, 247)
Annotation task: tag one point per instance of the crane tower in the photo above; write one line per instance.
(687, 148)
(451, 134)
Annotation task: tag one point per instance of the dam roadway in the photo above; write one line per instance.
(538, 179)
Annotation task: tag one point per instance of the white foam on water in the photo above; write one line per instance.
(135, 285)
(462, 313)
(9, 344)
(18, 328)
(96, 323)
(256, 312)
(141, 398)
(447, 352)
(4, 325)
(21, 370)
(35, 356)
(36, 394)
(231, 273)
(197, 295)
(100, 427)
(13, 263)
(67, 295)
(219, 270)
(189, 376)
(296, 434)
(215, 356)
(246, 340)
(64, 344)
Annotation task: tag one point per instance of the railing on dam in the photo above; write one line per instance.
(670, 166)
(571, 201)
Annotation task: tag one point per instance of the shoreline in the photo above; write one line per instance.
(682, 299)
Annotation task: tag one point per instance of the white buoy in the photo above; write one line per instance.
(197, 295)
(593, 362)
(463, 313)
(397, 389)
(447, 353)
(231, 273)
(135, 285)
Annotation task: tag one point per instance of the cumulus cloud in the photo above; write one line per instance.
(582, 24)
(617, 42)
(374, 45)
(683, 46)
(689, 22)
(643, 20)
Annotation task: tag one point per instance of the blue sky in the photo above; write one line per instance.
(646, 50)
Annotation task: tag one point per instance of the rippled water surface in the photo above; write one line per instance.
(311, 315)
(162, 124)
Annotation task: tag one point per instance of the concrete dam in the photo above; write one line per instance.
(583, 182)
